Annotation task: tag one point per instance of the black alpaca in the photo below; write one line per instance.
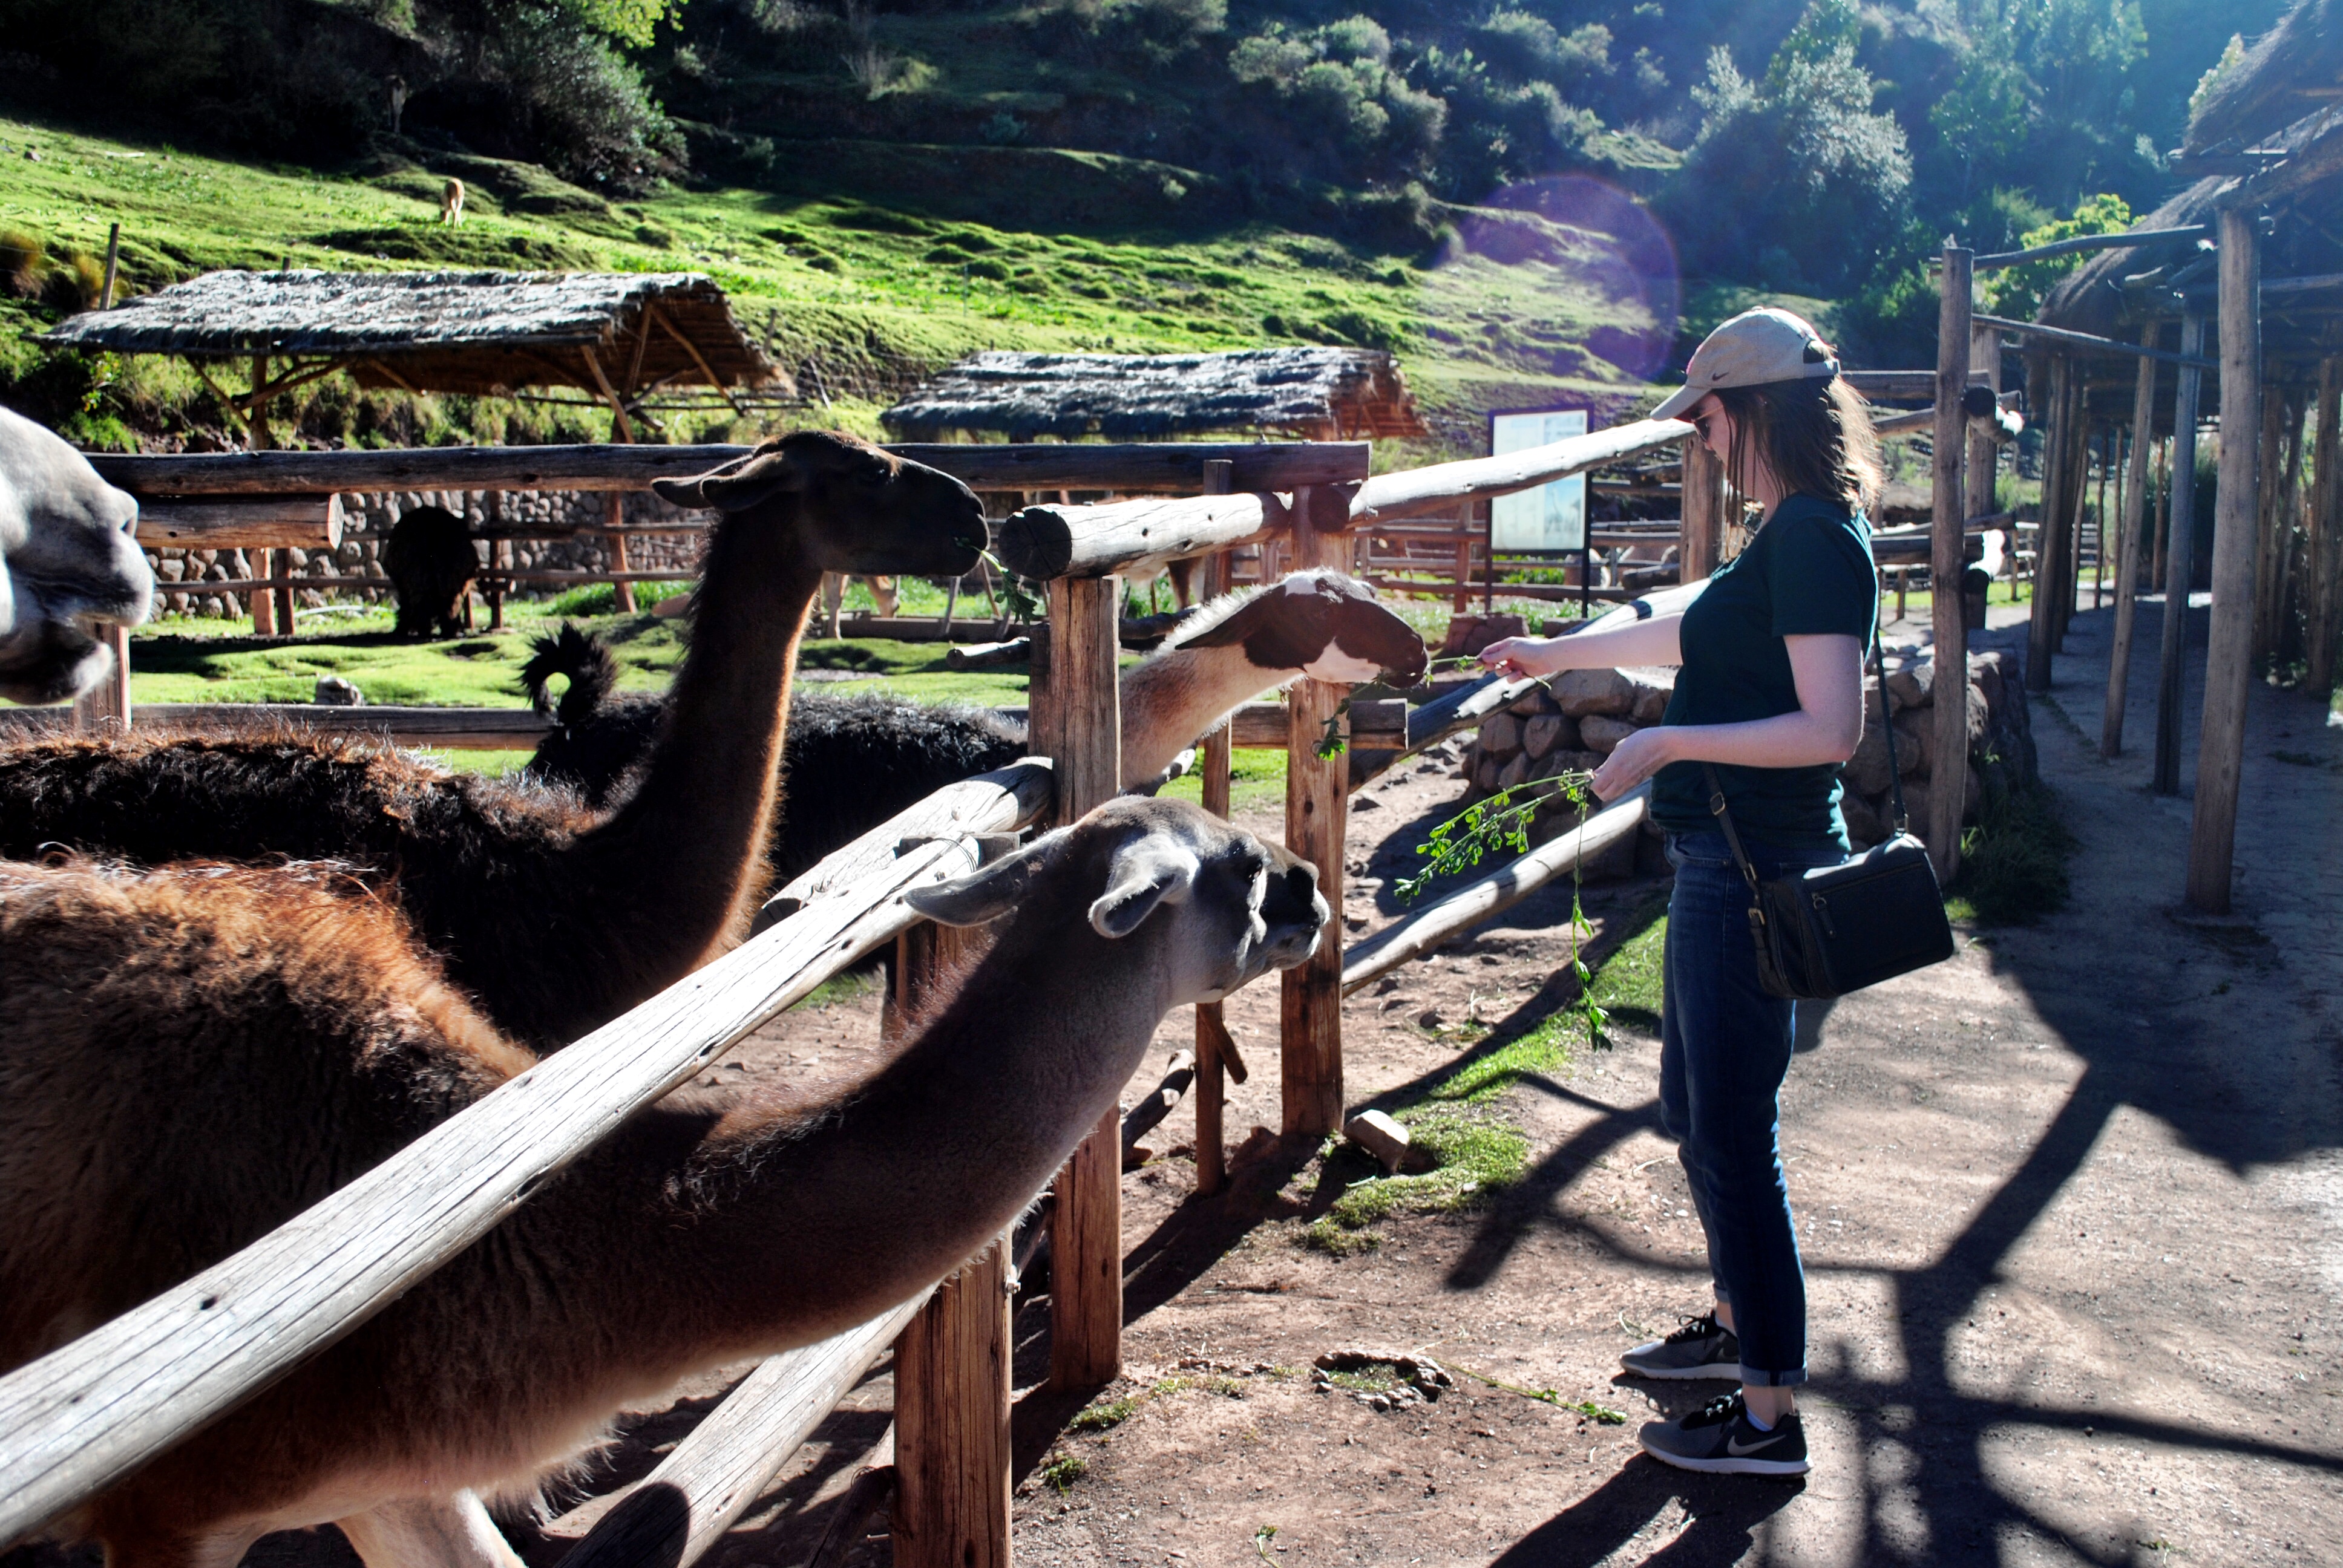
(431, 564)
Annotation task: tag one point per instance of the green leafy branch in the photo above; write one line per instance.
(1330, 741)
(1023, 607)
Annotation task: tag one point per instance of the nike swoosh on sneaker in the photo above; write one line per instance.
(1764, 1440)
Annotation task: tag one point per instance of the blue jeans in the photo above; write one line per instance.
(1724, 1048)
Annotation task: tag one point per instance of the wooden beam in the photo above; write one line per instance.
(1946, 564)
(2127, 552)
(698, 358)
(268, 522)
(2083, 242)
(2319, 607)
(2049, 559)
(106, 704)
(1501, 890)
(1481, 478)
(700, 1490)
(1212, 1091)
(1150, 467)
(1078, 721)
(2179, 564)
(1043, 542)
(2320, 159)
(1702, 505)
(85, 1415)
(2228, 652)
(1317, 804)
(2091, 341)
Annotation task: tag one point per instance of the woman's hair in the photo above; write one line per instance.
(1815, 435)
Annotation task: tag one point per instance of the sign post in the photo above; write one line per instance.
(1550, 520)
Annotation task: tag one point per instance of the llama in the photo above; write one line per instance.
(451, 202)
(68, 557)
(855, 761)
(431, 563)
(271, 1037)
(555, 918)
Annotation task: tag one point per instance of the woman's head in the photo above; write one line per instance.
(1790, 425)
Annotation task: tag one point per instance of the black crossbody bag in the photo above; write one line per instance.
(1832, 929)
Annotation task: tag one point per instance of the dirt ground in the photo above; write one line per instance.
(2069, 1204)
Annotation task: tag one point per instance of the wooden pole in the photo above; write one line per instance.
(2128, 550)
(2292, 533)
(113, 260)
(1317, 804)
(2268, 523)
(2228, 650)
(2180, 562)
(2074, 494)
(1984, 453)
(109, 701)
(1211, 1083)
(2107, 439)
(2049, 559)
(1077, 719)
(1947, 562)
(952, 1364)
(2319, 599)
(1702, 493)
(2163, 508)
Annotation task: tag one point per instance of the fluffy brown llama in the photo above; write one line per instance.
(267, 1037)
(556, 919)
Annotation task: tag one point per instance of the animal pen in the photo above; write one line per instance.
(92, 1411)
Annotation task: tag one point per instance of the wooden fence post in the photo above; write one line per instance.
(2127, 548)
(1211, 1083)
(1947, 540)
(1077, 720)
(2318, 593)
(2228, 650)
(1317, 805)
(2050, 544)
(952, 1364)
(2270, 523)
(614, 516)
(110, 699)
(1984, 453)
(1701, 495)
(2179, 561)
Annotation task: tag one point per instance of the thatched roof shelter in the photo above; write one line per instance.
(2293, 71)
(1319, 393)
(621, 336)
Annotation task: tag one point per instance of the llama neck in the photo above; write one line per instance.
(800, 1220)
(681, 863)
(1180, 694)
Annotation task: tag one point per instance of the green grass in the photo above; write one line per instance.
(1256, 778)
(858, 305)
(2013, 862)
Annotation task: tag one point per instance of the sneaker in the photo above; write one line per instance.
(1701, 1348)
(1720, 1438)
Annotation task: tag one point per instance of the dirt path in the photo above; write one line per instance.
(2069, 1204)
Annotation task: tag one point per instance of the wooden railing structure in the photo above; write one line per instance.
(91, 1412)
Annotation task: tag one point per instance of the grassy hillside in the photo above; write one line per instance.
(857, 296)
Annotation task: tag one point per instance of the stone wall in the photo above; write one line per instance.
(1570, 724)
(185, 576)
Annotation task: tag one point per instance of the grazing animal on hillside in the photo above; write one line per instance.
(431, 563)
(267, 1038)
(451, 202)
(555, 918)
(855, 761)
(69, 557)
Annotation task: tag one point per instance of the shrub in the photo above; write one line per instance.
(2013, 861)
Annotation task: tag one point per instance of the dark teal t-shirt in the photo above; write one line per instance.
(1808, 572)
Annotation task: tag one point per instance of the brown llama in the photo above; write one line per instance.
(555, 918)
(267, 1037)
(69, 557)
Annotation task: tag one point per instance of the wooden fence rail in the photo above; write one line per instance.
(87, 1414)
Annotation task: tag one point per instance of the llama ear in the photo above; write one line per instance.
(985, 894)
(738, 484)
(1145, 873)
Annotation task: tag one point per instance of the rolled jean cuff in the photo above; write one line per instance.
(1757, 1379)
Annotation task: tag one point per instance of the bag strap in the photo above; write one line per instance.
(1717, 807)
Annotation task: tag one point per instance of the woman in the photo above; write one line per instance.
(1770, 692)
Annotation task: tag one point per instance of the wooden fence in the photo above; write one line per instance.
(91, 1412)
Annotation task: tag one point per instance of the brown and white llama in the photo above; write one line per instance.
(69, 558)
(265, 1036)
(556, 919)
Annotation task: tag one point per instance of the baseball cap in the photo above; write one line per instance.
(1756, 347)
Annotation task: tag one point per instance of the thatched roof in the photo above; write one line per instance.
(479, 332)
(2292, 71)
(1323, 394)
(2091, 297)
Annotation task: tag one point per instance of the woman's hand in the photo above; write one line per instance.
(1521, 655)
(1634, 759)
